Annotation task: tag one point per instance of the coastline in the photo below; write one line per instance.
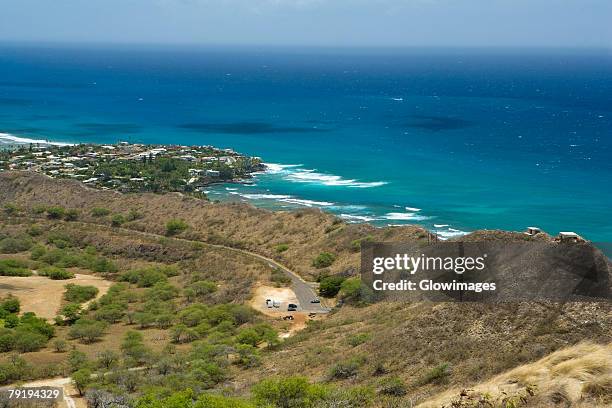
(246, 188)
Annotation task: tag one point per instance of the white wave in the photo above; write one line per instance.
(440, 225)
(24, 140)
(404, 216)
(412, 209)
(265, 196)
(307, 203)
(357, 218)
(398, 99)
(273, 168)
(450, 234)
(310, 176)
(230, 189)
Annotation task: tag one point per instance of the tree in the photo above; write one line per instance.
(323, 260)
(60, 345)
(330, 286)
(79, 293)
(55, 213)
(10, 304)
(175, 226)
(81, 378)
(88, 331)
(290, 392)
(27, 340)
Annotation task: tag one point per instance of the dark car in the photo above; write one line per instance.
(291, 307)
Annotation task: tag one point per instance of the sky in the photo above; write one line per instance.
(345, 23)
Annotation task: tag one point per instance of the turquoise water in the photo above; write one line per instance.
(455, 140)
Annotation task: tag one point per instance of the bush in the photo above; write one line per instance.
(346, 369)
(117, 220)
(330, 286)
(10, 304)
(290, 392)
(11, 209)
(14, 267)
(55, 213)
(351, 288)
(281, 247)
(27, 340)
(393, 386)
(358, 339)
(79, 293)
(60, 345)
(100, 212)
(71, 215)
(55, 273)
(323, 260)
(14, 245)
(438, 374)
(88, 331)
(175, 226)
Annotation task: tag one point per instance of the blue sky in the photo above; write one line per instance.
(557, 23)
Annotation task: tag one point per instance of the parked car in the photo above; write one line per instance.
(315, 300)
(269, 302)
(291, 307)
(288, 317)
(276, 303)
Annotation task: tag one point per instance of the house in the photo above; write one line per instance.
(570, 237)
(533, 231)
(213, 173)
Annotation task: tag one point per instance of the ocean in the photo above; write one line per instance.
(451, 139)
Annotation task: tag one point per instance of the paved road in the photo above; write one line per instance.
(304, 291)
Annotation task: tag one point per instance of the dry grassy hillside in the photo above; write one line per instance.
(306, 233)
(408, 353)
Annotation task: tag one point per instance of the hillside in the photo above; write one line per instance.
(177, 309)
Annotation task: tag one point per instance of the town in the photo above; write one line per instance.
(129, 167)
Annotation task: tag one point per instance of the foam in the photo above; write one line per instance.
(24, 140)
(307, 203)
(404, 216)
(412, 209)
(311, 176)
(357, 218)
(274, 168)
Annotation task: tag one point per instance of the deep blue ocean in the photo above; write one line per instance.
(455, 140)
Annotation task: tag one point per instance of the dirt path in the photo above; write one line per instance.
(42, 295)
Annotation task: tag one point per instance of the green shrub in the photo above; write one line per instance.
(346, 369)
(393, 386)
(356, 244)
(357, 339)
(79, 293)
(37, 252)
(56, 212)
(351, 289)
(34, 230)
(289, 392)
(281, 247)
(27, 340)
(10, 304)
(117, 220)
(100, 212)
(330, 286)
(323, 260)
(14, 267)
(55, 273)
(438, 374)
(11, 209)
(175, 226)
(88, 331)
(71, 215)
(12, 245)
